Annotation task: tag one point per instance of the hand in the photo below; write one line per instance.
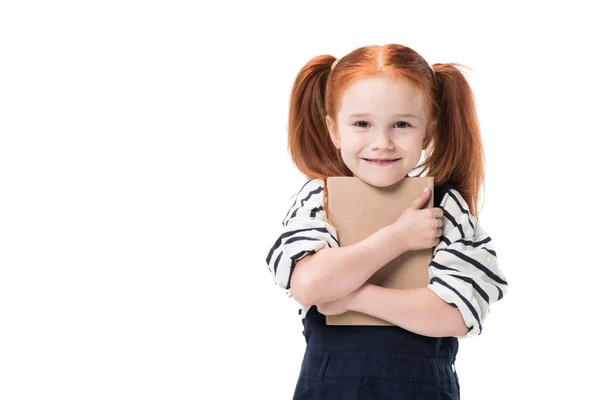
(338, 306)
(420, 229)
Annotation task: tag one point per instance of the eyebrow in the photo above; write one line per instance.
(405, 115)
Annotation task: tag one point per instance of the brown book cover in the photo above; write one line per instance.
(357, 210)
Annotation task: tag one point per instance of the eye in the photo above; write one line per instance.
(361, 122)
(365, 124)
(405, 123)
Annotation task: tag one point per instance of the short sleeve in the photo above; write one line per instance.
(305, 231)
(464, 270)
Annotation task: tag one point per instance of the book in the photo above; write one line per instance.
(357, 210)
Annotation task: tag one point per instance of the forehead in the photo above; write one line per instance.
(381, 96)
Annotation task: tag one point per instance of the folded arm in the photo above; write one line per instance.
(418, 310)
(307, 260)
(464, 281)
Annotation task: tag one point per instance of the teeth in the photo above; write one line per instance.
(380, 161)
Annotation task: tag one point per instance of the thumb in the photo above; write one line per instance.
(420, 200)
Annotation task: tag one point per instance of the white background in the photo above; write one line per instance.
(144, 175)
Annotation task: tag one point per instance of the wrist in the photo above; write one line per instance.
(394, 237)
(357, 296)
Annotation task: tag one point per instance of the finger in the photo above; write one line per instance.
(420, 200)
(439, 213)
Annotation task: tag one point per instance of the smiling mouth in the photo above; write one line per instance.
(381, 161)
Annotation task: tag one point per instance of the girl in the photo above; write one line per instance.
(371, 114)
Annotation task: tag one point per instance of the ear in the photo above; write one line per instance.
(332, 134)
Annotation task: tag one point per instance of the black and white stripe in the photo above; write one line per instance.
(294, 204)
(305, 231)
(464, 271)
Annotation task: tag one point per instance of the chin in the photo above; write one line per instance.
(381, 181)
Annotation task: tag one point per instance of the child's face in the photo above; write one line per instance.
(380, 133)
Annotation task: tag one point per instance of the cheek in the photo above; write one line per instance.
(412, 144)
(354, 142)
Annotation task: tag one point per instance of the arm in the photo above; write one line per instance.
(464, 281)
(417, 310)
(307, 261)
(334, 272)
(464, 271)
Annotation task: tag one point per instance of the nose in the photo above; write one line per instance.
(382, 140)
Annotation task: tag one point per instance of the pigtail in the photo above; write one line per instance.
(456, 156)
(310, 146)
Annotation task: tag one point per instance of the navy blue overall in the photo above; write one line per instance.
(375, 362)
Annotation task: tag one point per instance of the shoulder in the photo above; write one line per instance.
(308, 201)
(311, 192)
(456, 212)
(447, 196)
(312, 185)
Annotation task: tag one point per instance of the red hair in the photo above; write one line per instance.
(455, 152)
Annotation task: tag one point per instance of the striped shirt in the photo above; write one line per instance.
(463, 271)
